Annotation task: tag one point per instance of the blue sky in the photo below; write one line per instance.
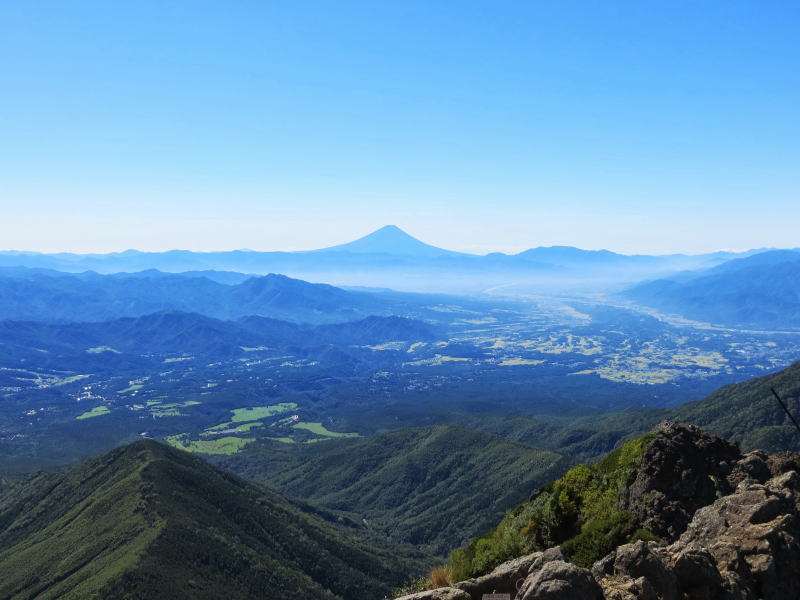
(478, 126)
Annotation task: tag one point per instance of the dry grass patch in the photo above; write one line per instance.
(441, 576)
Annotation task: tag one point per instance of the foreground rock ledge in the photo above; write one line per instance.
(731, 525)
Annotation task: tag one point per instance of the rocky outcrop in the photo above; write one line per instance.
(743, 546)
(683, 468)
(630, 563)
(753, 537)
(544, 575)
(729, 529)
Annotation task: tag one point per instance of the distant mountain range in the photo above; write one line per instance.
(191, 333)
(762, 290)
(37, 294)
(391, 258)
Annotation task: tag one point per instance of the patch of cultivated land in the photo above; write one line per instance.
(320, 429)
(95, 412)
(131, 388)
(224, 445)
(253, 413)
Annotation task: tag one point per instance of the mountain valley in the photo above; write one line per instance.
(382, 430)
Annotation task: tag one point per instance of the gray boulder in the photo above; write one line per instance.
(697, 573)
(559, 580)
(636, 571)
(624, 588)
(639, 560)
(504, 579)
(545, 557)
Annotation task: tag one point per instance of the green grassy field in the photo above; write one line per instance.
(72, 379)
(254, 413)
(97, 411)
(131, 388)
(320, 429)
(224, 445)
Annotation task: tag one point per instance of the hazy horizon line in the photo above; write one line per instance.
(470, 252)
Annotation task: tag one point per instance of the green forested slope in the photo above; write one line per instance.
(748, 413)
(434, 487)
(147, 521)
(582, 511)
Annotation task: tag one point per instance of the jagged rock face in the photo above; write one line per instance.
(638, 561)
(682, 470)
(729, 524)
(637, 571)
(743, 546)
(753, 536)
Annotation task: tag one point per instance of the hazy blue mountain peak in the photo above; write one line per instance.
(390, 239)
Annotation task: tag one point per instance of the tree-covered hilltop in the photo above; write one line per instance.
(748, 413)
(149, 521)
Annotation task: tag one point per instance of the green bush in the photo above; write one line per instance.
(580, 512)
(598, 537)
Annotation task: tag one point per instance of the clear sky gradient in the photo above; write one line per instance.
(635, 126)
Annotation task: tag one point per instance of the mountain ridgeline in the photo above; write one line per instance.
(389, 257)
(745, 413)
(177, 332)
(748, 414)
(147, 521)
(758, 291)
(36, 295)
